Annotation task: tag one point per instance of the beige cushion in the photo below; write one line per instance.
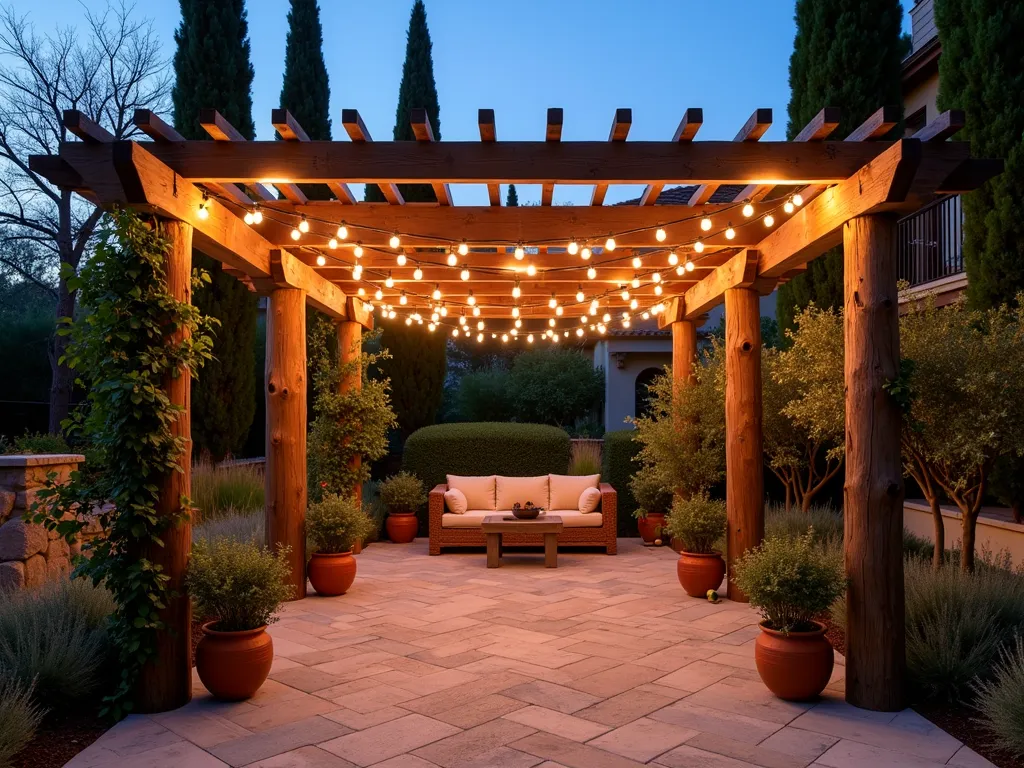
(455, 500)
(521, 489)
(571, 518)
(566, 489)
(479, 491)
(590, 499)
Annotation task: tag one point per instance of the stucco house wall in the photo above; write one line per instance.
(623, 359)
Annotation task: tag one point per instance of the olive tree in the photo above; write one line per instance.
(962, 388)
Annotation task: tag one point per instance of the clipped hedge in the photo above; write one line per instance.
(484, 448)
(617, 467)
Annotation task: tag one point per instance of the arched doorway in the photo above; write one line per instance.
(641, 392)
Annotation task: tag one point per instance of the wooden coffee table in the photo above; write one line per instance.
(495, 525)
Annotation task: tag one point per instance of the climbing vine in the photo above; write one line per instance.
(121, 348)
(349, 424)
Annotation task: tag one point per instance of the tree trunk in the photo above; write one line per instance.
(968, 529)
(873, 492)
(62, 378)
(1018, 512)
(165, 682)
(350, 336)
(744, 454)
(939, 551)
(286, 430)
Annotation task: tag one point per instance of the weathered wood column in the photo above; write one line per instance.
(744, 459)
(684, 351)
(350, 340)
(286, 429)
(166, 682)
(873, 494)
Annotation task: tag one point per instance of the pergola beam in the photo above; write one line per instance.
(288, 129)
(618, 133)
(552, 135)
(943, 126)
(692, 120)
(421, 129)
(489, 135)
(358, 133)
(756, 126)
(287, 271)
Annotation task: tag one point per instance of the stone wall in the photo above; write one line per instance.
(29, 554)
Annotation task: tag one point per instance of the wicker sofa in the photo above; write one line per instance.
(594, 529)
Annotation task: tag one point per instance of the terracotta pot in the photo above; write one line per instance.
(699, 573)
(357, 547)
(331, 574)
(650, 526)
(797, 666)
(402, 527)
(233, 665)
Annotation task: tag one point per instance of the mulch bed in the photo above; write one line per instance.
(60, 737)
(955, 719)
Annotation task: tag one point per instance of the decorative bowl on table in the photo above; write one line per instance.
(527, 511)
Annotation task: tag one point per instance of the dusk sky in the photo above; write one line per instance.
(519, 58)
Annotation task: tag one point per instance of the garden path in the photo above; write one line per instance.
(602, 663)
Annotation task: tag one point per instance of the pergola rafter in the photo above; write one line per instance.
(347, 258)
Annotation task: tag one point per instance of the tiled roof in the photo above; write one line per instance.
(631, 332)
(726, 193)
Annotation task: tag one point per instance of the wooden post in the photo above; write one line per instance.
(350, 339)
(744, 458)
(684, 351)
(286, 429)
(873, 494)
(166, 681)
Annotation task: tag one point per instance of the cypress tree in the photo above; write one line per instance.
(846, 54)
(212, 69)
(306, 91)
(980, 72)
(513, 196)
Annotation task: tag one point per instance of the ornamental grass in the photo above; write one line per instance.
(227, 490)
(19, 717)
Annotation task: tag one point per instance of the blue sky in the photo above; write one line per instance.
(519, 58)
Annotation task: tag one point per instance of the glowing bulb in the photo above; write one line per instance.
(403, 299)
(705, 224)
(514, 333)
(607, 318)
(690, 266)
(609, 244)
(516, 291)
(392, 314)
(471, 299)
(462, 319)
(504, 337)
(248, 218)
(552, 302)
(455, 332)
(358, 251)
(579, 294)
(699, 246)
(480, 325)
(452, 259)
(321, 260)
(788, 206)
(303, 224)
(332, 243)
(401, 259)
(658, 290)
(389, 282)
(479, 337)
(798, 199)
(769, 220)
(559, 310)
(673, 258)
(342, 231)
(646, 315)
(515, 311)
(680, 270)
(361, 291)
(408, 321)
(417, 274)
(520, 252)
(464, 274)
(601, 328)
(296, 234)
(476, 311)
(551, 322)
(633, 304)
(434, 317)
(436, 295)
(203, 212)
(730, 233)
(519, 323)
(531, 270)
(579, 331)
(257, 215)
(637, 262)
(529, 338)
(656, 277)
(431, 327)
(748, 210)
(463, 248)
(660, 235)
(591, 273)
(583, 319)
(573, 247)
(395, 241)
(378, 294)
(625, 294)
(635, 282)
(585, 254)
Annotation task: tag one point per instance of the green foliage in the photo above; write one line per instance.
(483, 396)
(220, 491)
(486, 448)
(652, 497)
(417, 90)
(847, 55)
(617, 467)
(1000, 702)
(121, 349)
(212, 69)
(1007, 484)
(512, 199)
(240, 583)
(334, 524)
(346, 424)
(19, 717)
(554, 386)
(236, 525)
(306, 91)
(698, 522)
(40, 442)
(415, 368)
(55, 639)
(980, 73)
(825, 524)
(682, 435)
(403, 492)
(585, 459)
(27, 316)
(790, 581)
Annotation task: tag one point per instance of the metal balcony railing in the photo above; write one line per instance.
(931, 242)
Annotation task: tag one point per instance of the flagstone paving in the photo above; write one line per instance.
(603, 662)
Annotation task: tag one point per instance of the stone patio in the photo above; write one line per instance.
(602, 663)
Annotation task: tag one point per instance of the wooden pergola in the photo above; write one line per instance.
(759, 213)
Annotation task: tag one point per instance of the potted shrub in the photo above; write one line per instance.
(333, 526)
(653, 501)
(790, 581)
(402, 494)
(698, 523)
(241, 585)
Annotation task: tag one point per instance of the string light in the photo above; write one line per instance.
(690, 266)
(452, 259)
(607, 318)
(585, 254)
(516, 290)
(303, 224)
(479, 337)
(463, 248)
(476, 311)
(552, 302)
(673, 258)
(658, 290)
(417, 274)
(321, 260)
(529, 338)
(358, 251)
(480, 325)
(769, 220)
(788, 206)
(579, 331)
(378, 294)
(519, 323)
(636, 281)
(455, 332)
(464, 274)
(705, 224)
(633, 304)
(609, 244)
(698, 246)
(591, 273)
(559, 310)
(730, 233)
(342, 231)
(681, 270)
(520, 252)
(660, 235)
(392, 314)
(551, 322)
(637, 262)
(332, 243)
(403, 299)
(471, 299)
(389, 282)
(748, 210)
(656, 277)
(579, 293)
(257, 214)
(504, 337)
(515, 311)
(402, 259)
(573, 247)
(431, 327)
(408, 321)
(531, 270)
(436, 295)
(798, 199)
(395, 241)
(444, 310)
(462, 319)
(295, 233)
(625, 293)
(361, 291)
